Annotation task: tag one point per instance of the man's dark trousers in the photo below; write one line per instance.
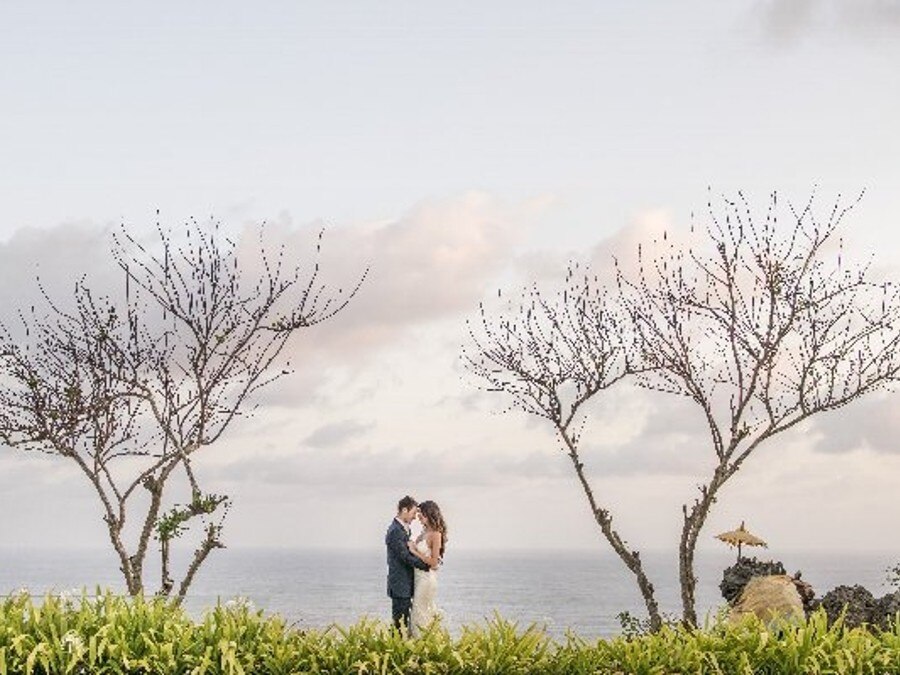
(400, 608)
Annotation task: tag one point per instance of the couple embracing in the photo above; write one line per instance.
(412, 565)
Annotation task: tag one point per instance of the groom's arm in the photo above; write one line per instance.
(397, 544)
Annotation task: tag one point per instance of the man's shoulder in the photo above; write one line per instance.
(395, 534)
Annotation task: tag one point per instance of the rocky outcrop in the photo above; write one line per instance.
(862, 607)
(859, 604)
(885, 611)
(735, 578)
(769, 598)
(807, 594)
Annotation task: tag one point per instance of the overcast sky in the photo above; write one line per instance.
(457, 149)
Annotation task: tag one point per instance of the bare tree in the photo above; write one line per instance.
(551, 355)
(762, 325)
(131, 390)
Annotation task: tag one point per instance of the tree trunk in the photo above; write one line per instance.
(694, 520)
(113, 528)
(632, 559)
(209, 543)
(166, 582)
(687, 578)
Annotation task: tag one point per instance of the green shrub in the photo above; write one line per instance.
(111, 634)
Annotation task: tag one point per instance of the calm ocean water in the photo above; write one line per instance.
(579, 590)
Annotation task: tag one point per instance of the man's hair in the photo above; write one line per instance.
(406, 503)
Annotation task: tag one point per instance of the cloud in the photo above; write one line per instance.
(651, 232)
(335, 434)
(432, 264)
(787, 22)
(435, 261)
(59, 257)
(648, 229)
(870, 423)
(634, 431)
(22, 471)
(872, 13)
(784, 21)
(366, 468)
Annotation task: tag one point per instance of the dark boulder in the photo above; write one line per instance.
(859, 603)
(735, 578)
(885, 611)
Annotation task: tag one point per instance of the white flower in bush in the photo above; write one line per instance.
(68, 596)
(72, 641)
(240, 602)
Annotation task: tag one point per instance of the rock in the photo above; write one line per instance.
(885, 610)
(807, 594)
(859, 602)
(736, 577)
(769, 598)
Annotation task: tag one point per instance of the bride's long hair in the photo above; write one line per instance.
(435, 518)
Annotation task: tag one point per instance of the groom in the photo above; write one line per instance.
(401, 562)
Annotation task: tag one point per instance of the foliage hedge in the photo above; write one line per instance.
(110, 634)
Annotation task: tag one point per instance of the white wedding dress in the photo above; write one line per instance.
(424, 609)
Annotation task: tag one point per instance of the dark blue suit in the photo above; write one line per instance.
(400, 563)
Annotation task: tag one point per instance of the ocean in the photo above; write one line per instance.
(578, 590)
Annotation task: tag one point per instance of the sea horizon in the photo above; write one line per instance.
(561, 590)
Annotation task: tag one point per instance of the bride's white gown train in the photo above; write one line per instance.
(424, 607)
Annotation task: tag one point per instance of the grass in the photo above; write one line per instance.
(111, 634)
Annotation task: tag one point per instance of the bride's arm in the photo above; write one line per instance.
(413, 549)
(434, 546)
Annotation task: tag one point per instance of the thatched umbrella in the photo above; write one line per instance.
(739, 537)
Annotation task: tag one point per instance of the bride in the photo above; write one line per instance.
(429, 547)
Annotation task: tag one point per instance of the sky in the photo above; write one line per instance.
(455, 149)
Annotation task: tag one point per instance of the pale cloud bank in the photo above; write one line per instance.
(379, 406)
(58, 257)
(869, 424)
(787, 22)
(335, 434)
